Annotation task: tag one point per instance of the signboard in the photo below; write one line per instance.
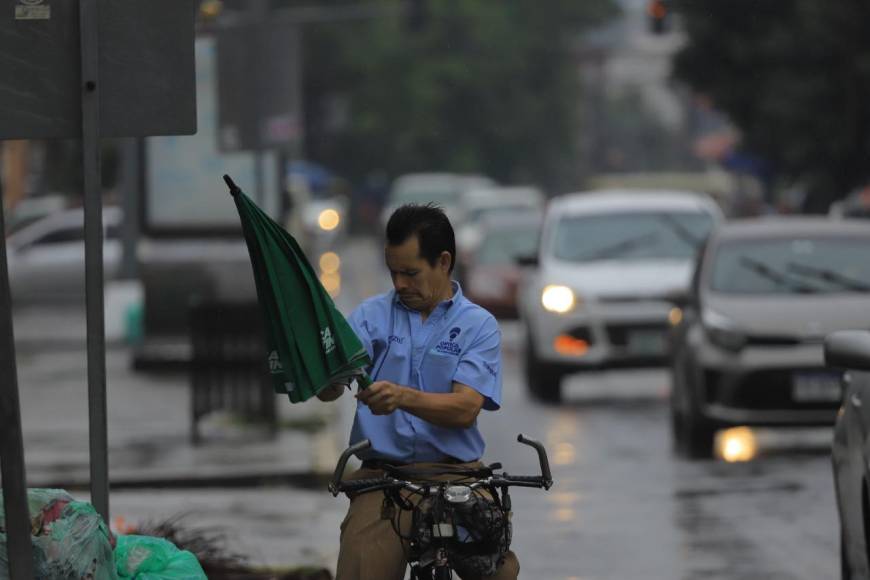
(146, 68)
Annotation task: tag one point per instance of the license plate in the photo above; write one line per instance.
(816, 387)
(646, 342)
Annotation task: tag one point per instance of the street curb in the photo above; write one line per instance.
(305, 480)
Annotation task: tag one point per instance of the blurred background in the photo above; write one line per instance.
(331, 114)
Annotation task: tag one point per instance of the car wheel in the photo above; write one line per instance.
(544, 381)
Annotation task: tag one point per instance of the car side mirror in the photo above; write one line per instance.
(528, 261)
(848, 349)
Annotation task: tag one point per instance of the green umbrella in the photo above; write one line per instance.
(310, 344)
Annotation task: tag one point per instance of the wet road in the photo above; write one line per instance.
(623, 506)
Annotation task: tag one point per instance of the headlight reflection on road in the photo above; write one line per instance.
(329, 262)
(332, 283)
(564, 510)
(564, 454)
(737, 444)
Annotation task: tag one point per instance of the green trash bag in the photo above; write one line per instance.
(69, 538)
(149, 558)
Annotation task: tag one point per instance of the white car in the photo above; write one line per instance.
(47, 257)
(481, 203)
(607, 264)
(444, 189)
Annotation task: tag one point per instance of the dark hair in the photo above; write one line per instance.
(430, 224)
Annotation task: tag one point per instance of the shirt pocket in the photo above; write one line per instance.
(438, 371)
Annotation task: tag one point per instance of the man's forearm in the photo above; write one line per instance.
(441, 409)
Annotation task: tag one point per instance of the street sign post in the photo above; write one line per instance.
(86, 69)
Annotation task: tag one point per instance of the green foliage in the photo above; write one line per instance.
(482, 86)
(794, 76)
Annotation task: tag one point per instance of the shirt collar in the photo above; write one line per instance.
(447, 304)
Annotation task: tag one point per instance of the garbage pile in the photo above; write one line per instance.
(71, 541)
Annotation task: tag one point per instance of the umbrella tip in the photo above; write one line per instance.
(234, 189)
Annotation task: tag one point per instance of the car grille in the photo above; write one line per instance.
(763, 390)
(582, 333)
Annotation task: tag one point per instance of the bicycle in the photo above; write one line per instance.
(460, 524)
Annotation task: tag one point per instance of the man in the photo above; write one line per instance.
(436, 362)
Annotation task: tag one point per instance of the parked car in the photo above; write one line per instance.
(607, 262)
(491, 270)
(854, 206)
(47, 258)
(444, 189)
(481, 203)
(850, 350)
(748, 350)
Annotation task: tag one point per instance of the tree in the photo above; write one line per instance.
(489, 87)
(794, 77)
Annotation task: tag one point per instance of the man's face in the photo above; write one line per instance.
(420, 286)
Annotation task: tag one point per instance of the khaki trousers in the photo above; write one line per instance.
(370, 548)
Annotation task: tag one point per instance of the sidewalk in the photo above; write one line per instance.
(149, 421)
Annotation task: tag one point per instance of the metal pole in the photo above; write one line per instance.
(96, 339)
(12, 474)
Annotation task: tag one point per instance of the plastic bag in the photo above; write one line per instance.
(149, 558)
(69, 538)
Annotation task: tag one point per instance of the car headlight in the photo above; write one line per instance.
(558, 299)
(328, 219)
(722, 331)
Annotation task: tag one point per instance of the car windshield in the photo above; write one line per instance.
(792, 266)
(480, 213)
(631, 236)
(500, 247)
(442, 195)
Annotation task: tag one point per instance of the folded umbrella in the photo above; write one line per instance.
(310, 344)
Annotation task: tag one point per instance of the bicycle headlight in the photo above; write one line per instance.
(557, 298)
(722, 331)
(457, 493)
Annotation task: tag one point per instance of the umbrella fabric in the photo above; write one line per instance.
(310, 344)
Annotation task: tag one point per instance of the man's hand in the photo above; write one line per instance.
(382, 397)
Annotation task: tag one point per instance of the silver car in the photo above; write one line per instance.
(598, 295)
(748, 350)
(47, 257)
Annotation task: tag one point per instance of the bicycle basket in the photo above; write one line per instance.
(482, 533)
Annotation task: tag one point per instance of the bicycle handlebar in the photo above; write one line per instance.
(336, 486)
(546, 476)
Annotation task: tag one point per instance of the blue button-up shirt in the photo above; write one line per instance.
(458, 342)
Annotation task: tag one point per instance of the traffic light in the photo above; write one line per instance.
(658, 12)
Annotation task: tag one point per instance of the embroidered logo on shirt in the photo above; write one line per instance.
(449, 346)
(394, 338)
(490, 369)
